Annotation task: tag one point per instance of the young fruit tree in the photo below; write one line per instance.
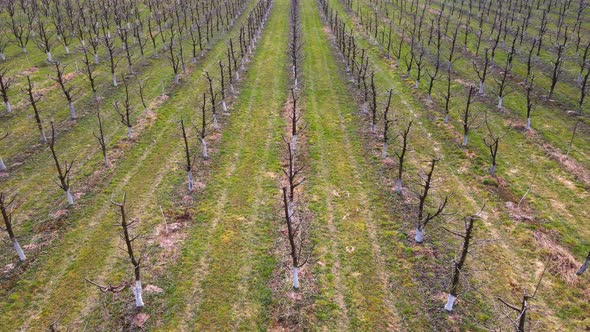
(204, 130)
(187, 152)
(522, 309)
(33, 99)
(63, 170)
(425, 217)
(7, 208)
(129, 240)
(125, 111)
(101, 138)
(296, 241)
(459, 261)
(61, 81)
(3, 167)
(468, 119)
(401, 155)
(387, 122)
(5, 84)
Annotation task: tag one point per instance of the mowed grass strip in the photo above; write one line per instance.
(354, 292)
(221, 282)
(56, 280)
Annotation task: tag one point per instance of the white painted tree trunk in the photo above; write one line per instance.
(42, 138)
(72, 111)
(176, 79)
(2, 57)
(500, 100)
(481, 89)
(238, 73)
(419, 235)
(138, 293)
(190, 180)
(465, 139)
(115, 80)
(49, 57)
(450, 302)
(384, 151)
(528, 124)
(224, 105)
(373, 128)
(8, 107)
(24, 50)
(293, 142)
(232, 89)
(106, 162)
(96, 59)
(398, 186)
(493, 170)
(83, 42)
(130, 132)
(2, 165)
(583, 267)
(295, 278)
(19, 250)
(67, 50)
(70, 197)
(215, 123)
(417, 84)
(204, 144)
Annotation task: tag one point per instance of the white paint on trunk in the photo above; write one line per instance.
(419, 235)
(232, 89)
(450, 302)
(42, 138)
(447, 118)
(2, 56)
(24, 50)
(500, 100)
(19, 250)
(67, 50)
(190, 180)
(176, 79)
(106, 162)
(417, 84)
(215, 123)
(493, 170)
(138, 292)
(224, 105)
(373, 128)
(295, 277)
(70, 197)
(204, 144)
(384, 151)
(49, 57)
(2, 165)
(465, 139)
(115, 80)
(481, 90)
(72, 111)
(8, 107)
(96, 59)
(398, 186)
(528, 124)
(293, 142)
(83, 43)
(583, 267)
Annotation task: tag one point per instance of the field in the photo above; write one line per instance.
(290, 165)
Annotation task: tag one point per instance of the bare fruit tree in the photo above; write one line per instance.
(7, 207)
(424, 216)
(5, 84)
(63, 169)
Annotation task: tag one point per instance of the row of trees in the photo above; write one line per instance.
(426, 212)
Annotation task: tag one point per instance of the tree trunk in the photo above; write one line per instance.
(447, 118)
(293, 142)
(2, 57)
(24, 50)
(384, 151)
(43, 138)
(417, 84)
(295, 278)
(398, 186)
(176, 79)
(500, 100)
(49, 57)
(8, 107)
(465, 139)
(114, 80)
(96, 60)
(481, 89)
(224, 105)
(204, 143)
(2, 165)
(215, 123)
(72, 111)
(19, 250)
(67, 50)
(493, 170)
(584, 266)
(450, 302)
(129, 132)
(69, 197)
(528, 124)
(138, 292)
(190, 180)
(419, 235)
